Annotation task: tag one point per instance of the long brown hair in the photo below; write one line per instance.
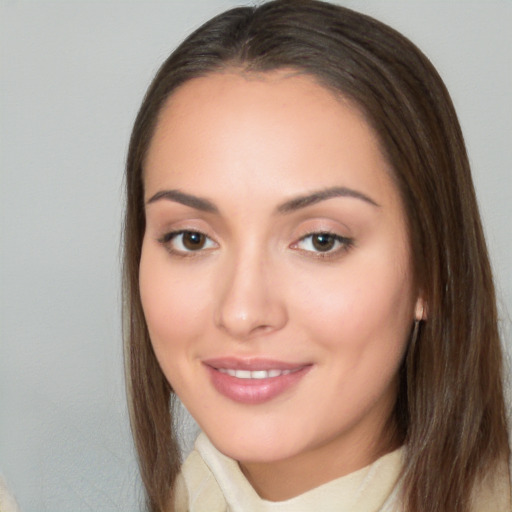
(450, 407)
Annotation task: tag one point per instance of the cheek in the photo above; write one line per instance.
(173, 304)
(360, 321)
(362, 308)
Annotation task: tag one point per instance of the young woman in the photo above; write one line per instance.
(305, 269)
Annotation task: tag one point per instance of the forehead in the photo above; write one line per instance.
(283, 126)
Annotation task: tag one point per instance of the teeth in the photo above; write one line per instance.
(260, 374)
(256, 374)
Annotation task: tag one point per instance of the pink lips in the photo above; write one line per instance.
(253, 381)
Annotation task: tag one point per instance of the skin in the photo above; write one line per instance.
(259, 288)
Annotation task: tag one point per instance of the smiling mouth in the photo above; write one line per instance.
(256, 374)
(254, 381)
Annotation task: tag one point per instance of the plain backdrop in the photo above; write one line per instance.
(73, 74)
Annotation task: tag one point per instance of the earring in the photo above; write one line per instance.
(416, 327)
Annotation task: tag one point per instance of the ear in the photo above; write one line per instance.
(420, 309)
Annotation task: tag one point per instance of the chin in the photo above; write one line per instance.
(257, 453)
(255, 446)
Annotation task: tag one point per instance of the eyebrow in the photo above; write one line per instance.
(289, 206)
(322, 195)
(177, 196)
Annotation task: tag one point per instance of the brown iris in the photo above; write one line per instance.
(323, 242)
(193, 241)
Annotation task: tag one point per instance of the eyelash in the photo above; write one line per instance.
(344, 243)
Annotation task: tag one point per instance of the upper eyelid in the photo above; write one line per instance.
(326, 231)
(323, 223)
(321, 231)
(181, 225)
(337, 236)
(175, 232)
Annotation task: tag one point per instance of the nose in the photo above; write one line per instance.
(249, 300)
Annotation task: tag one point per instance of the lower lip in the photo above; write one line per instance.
(254, 391)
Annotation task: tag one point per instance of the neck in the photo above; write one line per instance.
(284, 479)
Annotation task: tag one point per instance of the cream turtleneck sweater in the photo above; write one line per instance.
(211, 482)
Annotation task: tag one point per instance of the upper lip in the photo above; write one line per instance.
(252, 364)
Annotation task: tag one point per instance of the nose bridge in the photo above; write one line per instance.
(248, 303)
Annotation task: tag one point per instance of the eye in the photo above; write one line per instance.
(323, 243)
(186, 241)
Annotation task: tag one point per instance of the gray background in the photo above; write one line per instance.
(72, 77)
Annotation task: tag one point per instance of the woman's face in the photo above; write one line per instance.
(275, 274)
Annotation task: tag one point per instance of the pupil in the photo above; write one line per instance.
(323, 242)
(193, 241)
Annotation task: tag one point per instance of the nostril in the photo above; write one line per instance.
(246, 320)
(247, 302)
